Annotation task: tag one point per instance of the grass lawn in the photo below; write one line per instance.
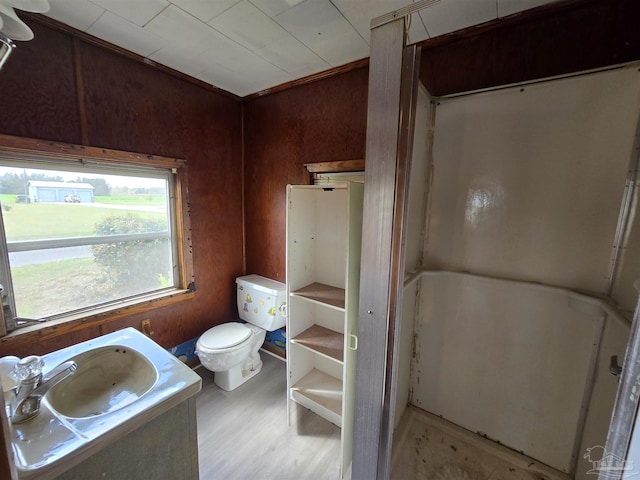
(31, 221)
(132, 200)
(45, 289)
(49, 288)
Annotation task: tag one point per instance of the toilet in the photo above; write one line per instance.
(230, 350)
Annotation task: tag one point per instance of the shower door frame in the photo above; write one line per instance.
(393, 87)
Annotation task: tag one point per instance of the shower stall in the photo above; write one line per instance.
(513, 265)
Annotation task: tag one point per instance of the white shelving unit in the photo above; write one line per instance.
(324, 231)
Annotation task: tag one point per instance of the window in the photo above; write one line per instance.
(81, 235)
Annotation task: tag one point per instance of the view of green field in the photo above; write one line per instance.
(43, 289)
(49, 288)
(33, 221)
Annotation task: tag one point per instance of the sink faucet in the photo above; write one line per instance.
(25, 402)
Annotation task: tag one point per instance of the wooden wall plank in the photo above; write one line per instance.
(320, 122)
(38, 89)
(555, 40)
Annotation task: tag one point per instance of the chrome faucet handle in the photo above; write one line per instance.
(28, 368)
(25, 402)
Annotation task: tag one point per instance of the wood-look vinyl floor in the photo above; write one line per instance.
(243, 434)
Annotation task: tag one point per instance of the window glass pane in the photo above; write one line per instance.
(56, 222)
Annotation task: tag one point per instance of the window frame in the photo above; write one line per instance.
(28, 149)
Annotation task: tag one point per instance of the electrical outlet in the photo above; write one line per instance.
(146, 327)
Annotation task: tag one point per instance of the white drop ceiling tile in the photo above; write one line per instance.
(220, 77)
(226, 53)
(75, 13)
(182, 58)
(247, 25)
(322, 28)
(451, 15)
(244, 63)
(508, 7)
(114, 29)
(360, 13)
(240, 84)
(342, 49)
(275, 7)
(205, 10)
(290, 55)
(178, 26)
(138, 11)
(319, 66)
(267, 76)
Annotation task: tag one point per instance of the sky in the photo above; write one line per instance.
(112, 180)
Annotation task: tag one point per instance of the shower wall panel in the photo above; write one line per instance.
(528, 185)
(509, 360)
(528, 181)
(416, 212)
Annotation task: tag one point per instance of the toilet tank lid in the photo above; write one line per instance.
(224, 336)
(263, 284)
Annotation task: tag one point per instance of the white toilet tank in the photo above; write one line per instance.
(261, 301)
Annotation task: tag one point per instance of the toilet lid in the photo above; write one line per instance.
(225, 336)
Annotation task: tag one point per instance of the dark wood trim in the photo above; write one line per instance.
(85, 37)
(22, 147)
(355, 65)
(243, 175)
(335, 167)
(24, 337)
(278, 352)
(183, 230)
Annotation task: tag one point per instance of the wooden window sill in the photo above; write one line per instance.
(102, 316)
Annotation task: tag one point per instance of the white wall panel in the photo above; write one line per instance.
(528, 181)
(418, 181)
(506, 359)
(416, 211)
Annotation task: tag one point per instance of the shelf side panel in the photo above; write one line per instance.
(331, 236)
(301, 237)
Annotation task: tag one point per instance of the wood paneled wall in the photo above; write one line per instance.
(556, 39)
(322, 121)
(59, 87)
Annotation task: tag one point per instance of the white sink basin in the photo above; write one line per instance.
(107, 379)
(123, 381)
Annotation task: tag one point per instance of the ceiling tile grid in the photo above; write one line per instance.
(245, 46)
(117, 30)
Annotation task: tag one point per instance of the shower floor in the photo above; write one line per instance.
(428, 447)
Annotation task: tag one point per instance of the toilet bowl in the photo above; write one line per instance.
(231, 350)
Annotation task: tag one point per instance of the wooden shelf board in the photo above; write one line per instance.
(320, 393)
(322, 340)
(322, 293)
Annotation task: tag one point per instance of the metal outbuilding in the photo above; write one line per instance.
(41, 191)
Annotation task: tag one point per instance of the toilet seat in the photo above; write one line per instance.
(224, 337)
